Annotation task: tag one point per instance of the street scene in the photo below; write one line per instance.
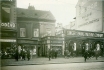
(52, 34)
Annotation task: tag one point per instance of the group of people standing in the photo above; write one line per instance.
(22, 55)
(88, 55)
(52, 53)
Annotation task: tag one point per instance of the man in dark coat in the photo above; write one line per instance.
(28, 55)
(85, 55)
(55, 53)
(16, 54)
(49, 54)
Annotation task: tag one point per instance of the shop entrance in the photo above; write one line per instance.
(58, 49)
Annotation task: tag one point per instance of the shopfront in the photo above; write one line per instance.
(31, 45)
(54, 43)
(8, 26)
(79, 41)
(8, 48)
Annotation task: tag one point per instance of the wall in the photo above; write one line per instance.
(89, 15)
(0, 13)
(8, 15)
(103, 16)
(47, 27)
(29, 26)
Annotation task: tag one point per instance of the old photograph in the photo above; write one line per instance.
(51, 34)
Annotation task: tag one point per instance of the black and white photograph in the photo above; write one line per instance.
(51, 34)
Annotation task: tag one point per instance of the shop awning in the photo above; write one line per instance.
(7, 40)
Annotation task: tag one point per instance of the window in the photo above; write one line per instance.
(49, 32)
(36, 33)
(22, 32)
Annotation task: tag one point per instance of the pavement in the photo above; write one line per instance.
(44, 60)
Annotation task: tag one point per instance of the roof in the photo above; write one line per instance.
(39, 14)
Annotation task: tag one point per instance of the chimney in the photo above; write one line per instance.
(31, 7)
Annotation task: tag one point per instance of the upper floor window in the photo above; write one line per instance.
(36, 33)
(22, 32)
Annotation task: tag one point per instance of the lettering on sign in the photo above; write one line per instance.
(11, 25)
(87, 34)
(89, 22)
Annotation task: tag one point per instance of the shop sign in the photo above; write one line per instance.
(26, 41)
(7, 40)
(56, 44)
(85, 34)
(10, 25)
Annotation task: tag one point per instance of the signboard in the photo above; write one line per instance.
(56, 45)
(9, 25)
(83, 33)
(7, 40)
(7, 18)
(89, 15)
(27, 41)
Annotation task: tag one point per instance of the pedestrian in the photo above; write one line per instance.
(16, 54)
(85, 55)
(28, 55)
(96, 54)
(49, 54)
(55, 53)
(23, 54)
(65, 54)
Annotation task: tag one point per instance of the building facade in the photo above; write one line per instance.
(89, 15)
(32, 25)
(8, 27)
(88, 34)
(54, 43)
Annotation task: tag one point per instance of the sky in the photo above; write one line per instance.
(63, 10)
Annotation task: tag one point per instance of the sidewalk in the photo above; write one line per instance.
(41, 60)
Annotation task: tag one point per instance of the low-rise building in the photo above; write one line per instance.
(32, 25)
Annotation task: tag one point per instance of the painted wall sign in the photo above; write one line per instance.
(89, 15)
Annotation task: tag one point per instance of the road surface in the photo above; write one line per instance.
(67, 66)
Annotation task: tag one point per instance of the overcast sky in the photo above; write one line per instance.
(63, 10)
